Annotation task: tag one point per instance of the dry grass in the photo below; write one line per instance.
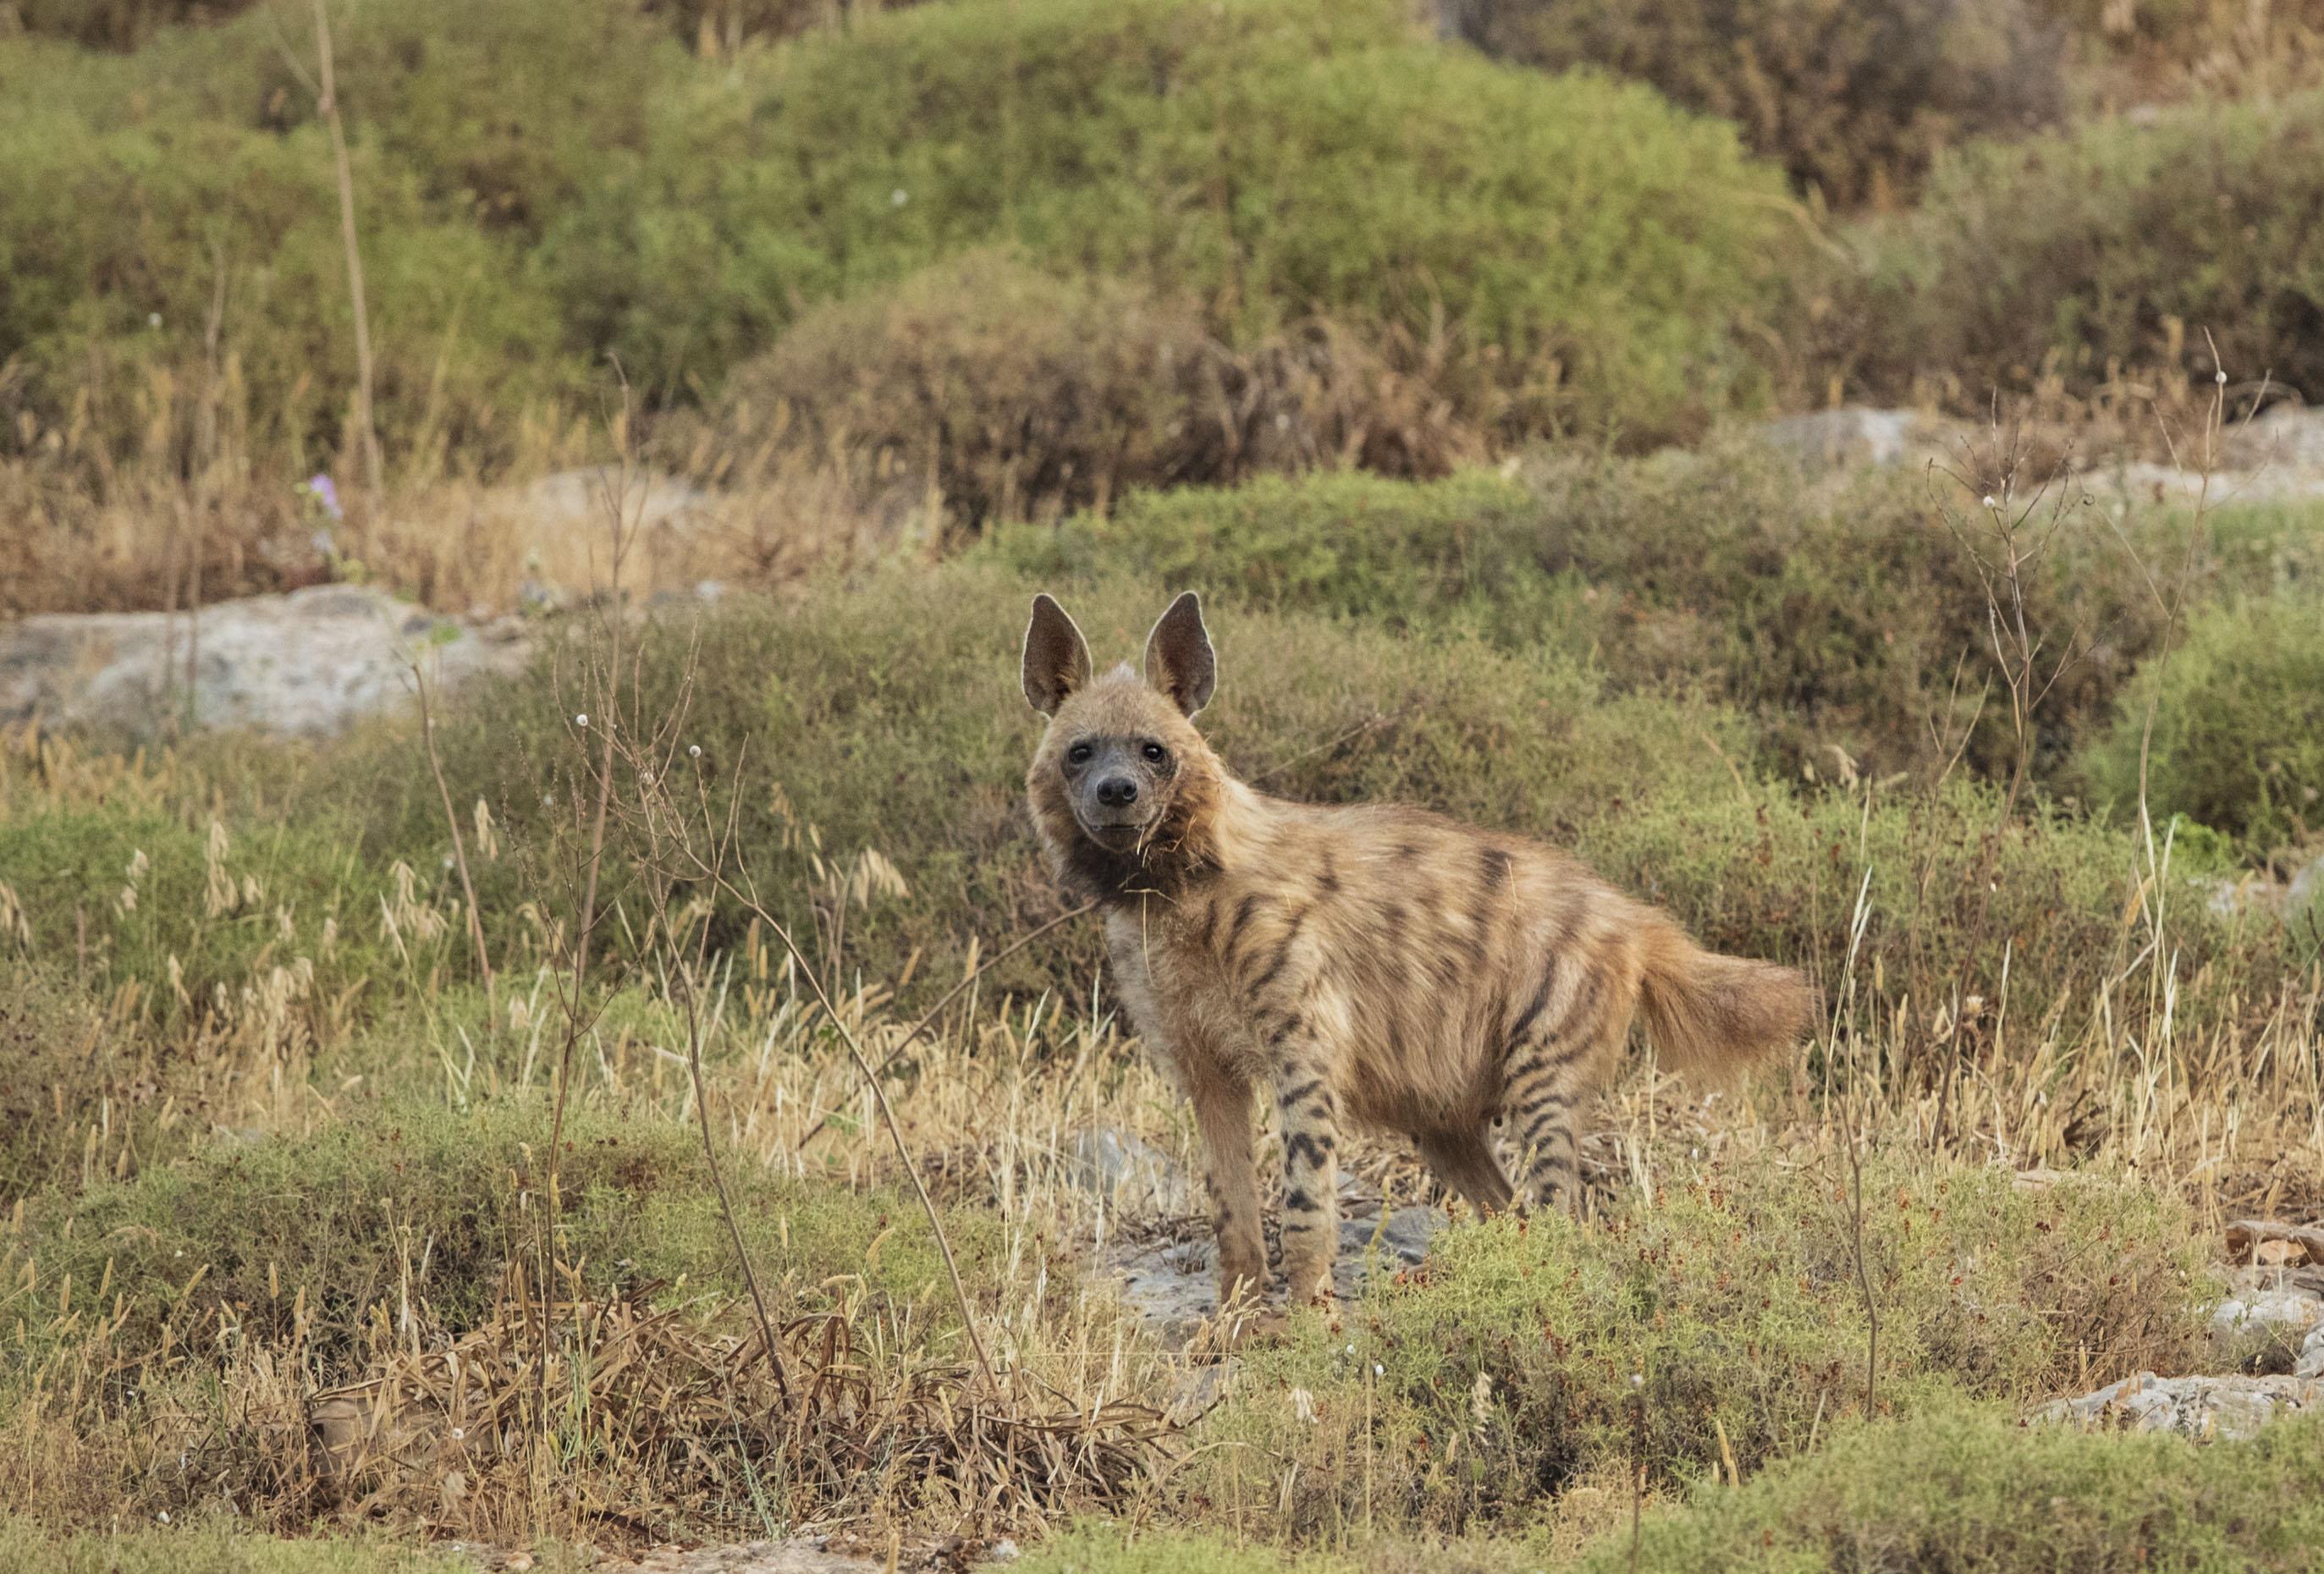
(551, 1400)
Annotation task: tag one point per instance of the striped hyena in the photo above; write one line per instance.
(1375, 963)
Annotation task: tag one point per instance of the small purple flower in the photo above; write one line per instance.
(327, 493)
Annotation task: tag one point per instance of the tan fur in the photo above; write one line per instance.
(1379, 965)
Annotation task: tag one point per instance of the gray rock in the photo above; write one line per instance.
(304, 664)
(2312, 1355)
(2202, 1408)
(1198, 1387)
(2289, 436)
(1408, 1234)
(1854, 435)
(1129, 1170)
(2263, 1323)
(2306, 891)
(2143, 482)
(798, 1555)
(1172, 1285)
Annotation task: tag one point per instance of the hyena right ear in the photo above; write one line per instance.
(1056, 657)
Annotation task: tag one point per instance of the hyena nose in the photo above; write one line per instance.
(1117, 790)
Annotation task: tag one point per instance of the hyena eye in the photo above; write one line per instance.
(1156, 753)
(1079, 754)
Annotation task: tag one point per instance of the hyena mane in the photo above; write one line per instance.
(1377, 964)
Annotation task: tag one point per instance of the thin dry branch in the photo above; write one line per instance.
(327, 103)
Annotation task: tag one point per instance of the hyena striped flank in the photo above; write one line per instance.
(1370, 964)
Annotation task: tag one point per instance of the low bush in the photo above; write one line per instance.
(187, 274)
(83, 1100)
(27, 1544)
(1855, 100)
(1841, 613)
(1271, 160)
(1718, 1324)
(410, 1204)
(2117, 245)
(889, 717)
(191, 921)
(1975, 1491)
(2238, 720)
(1016, 393)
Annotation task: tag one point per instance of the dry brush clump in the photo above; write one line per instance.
(1011, 394)
(1854, 101)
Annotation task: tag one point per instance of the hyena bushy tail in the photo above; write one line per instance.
(1709, 1013)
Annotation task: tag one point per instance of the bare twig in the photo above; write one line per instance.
(928, 1019)
(327, 104)
(750, 900)
(684, 972)
(452, 823)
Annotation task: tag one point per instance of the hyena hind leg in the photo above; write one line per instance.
(1549, 1081)
(1462, 1159)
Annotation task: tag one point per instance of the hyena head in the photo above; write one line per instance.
(1122, 787)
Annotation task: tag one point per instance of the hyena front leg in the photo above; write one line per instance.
(1311, 1173)
(1231, 1171)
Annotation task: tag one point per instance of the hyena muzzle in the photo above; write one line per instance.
(1372, 964)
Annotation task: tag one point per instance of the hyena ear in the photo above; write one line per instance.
(1179, 660)
(1056, 657)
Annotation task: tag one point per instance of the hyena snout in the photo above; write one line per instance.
(1118, 793)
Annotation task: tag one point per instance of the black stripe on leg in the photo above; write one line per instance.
(1306, 1145)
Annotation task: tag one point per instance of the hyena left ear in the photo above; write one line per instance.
(1179, 660)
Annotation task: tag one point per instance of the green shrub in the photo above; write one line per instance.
(123, 244)
(1854, 100)
(1016, 391)
(116, 25)
(2117, 245)
(1954, 895)
(27, 1544)
(501, 111)
(2239, 741)
(1838, 613)
(1271, 158)
(415, 1200)
(730, 25)
(1503, 1369)
(1975, 1491)
(191, 917)
(81, 1100)
(506, 110)
(1472, 548)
